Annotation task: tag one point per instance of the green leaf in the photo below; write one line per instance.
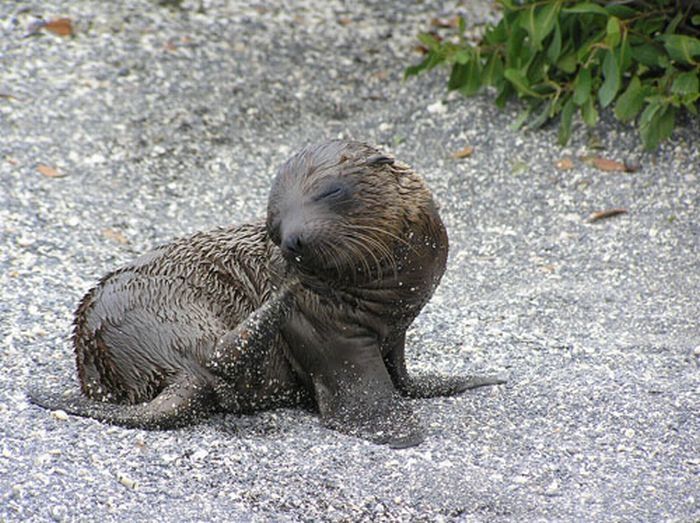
(545, 20)
(413, 70)
(650, 110)
(458, 76)
(589, 112)
(505, 92)
(656, 123)
(682, 48)
(685, 83)
(554, 49)
(689, 101)
(567, 113)
(498, 34)
(520, 119)
(671, 27)
(568, 63)
(630, 102)
(695, 20)
(582, 87)
(429, 41)
(590, 45)
(527, 22)
(647, 54)
(473, 79)
(520, 82)
(543, 109)
(464, 55)
(586, 7)
(613, 34)
(493, 70)
(536, 70)
(611, 84)
(429, 62)
(621, 11)
(624, 55)
(650, 26)
(517, 53)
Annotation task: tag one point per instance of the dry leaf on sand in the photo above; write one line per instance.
(48, 171)
(60, 26)
(607, 213)
(465, 152)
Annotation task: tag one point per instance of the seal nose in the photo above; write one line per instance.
(293, 243)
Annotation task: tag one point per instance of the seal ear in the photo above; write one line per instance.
(380, 159)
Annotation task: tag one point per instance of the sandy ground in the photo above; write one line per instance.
(164, 121)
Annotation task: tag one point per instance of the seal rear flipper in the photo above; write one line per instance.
(429, 385)
(185, 402)
(240, 357)
(432, 385)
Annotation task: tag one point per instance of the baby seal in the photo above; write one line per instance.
(311, 305)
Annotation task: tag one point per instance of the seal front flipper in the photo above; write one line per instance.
(353, 389)
(429, 385)
(184, 402)
(385, 420)
(239, 357)
(236, 350)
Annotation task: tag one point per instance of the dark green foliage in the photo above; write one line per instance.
(642, 58)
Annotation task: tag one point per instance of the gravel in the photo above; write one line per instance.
(162, 120)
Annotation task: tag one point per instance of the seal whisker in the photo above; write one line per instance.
(354, 255)
(392, 235)
(363, 246)
(334, 256)
(384, 251)
(331, 259)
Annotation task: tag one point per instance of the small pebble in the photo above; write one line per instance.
(25, 241)
(632, 165)
(58, 513)
(127, 481)
(437, 108)
(552, 489)
(59, 415)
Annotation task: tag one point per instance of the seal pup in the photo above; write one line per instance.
(310, 305)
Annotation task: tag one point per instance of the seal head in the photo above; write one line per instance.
(346, 215)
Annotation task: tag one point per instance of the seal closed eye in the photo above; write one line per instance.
(333, 192)
(311, 305)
